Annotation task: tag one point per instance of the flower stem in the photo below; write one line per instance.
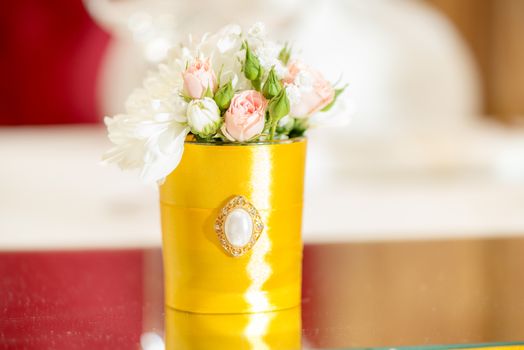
(273, 130)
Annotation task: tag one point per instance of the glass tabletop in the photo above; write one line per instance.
(417, 294)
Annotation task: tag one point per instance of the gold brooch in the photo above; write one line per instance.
(238, 226)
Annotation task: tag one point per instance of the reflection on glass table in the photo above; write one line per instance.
(355, 295)
(263, 330)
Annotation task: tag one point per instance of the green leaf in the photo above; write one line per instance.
(272, 86)
(219, 76)
(199, 138)
(208, 93)
(332, 103)
(300, 127)
(186, 98)
(220, 137)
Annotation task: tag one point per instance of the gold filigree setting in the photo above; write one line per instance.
(238, 202)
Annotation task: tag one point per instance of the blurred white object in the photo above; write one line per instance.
(144, 31)
(415, 162)
(55, 194)
(408, 70)
(151, 341)
(414, 89)
(448, 183)
(405, 63)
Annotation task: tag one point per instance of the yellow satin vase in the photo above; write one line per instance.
(231, 224)
(265, 330)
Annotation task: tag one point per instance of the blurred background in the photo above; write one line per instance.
(423, 190)
(434, 147)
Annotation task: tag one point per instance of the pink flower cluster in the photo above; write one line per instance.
(312, 101)
(245, 117)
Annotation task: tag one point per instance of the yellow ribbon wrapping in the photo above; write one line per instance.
(200, 275)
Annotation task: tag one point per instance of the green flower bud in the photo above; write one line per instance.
(224, 95)
(252, 68)
(272, 86)
(285, 54)
(278, 106)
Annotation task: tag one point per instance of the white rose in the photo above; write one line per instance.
(203, 116)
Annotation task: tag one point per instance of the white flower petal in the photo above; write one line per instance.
(258, 30)
(127, 156)
(229, 38)
(162, 164)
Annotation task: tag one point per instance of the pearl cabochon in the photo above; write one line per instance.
(238, 227)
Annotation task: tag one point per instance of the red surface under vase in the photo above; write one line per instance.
(71, 300)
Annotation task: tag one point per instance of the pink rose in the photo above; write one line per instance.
(198, 77)
(245, 117)
(315, 92)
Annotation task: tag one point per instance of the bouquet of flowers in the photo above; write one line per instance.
(228, 87)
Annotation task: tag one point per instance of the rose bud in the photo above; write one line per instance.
(245, 117)
(315, 91)
(199, 77)
(203, 116)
